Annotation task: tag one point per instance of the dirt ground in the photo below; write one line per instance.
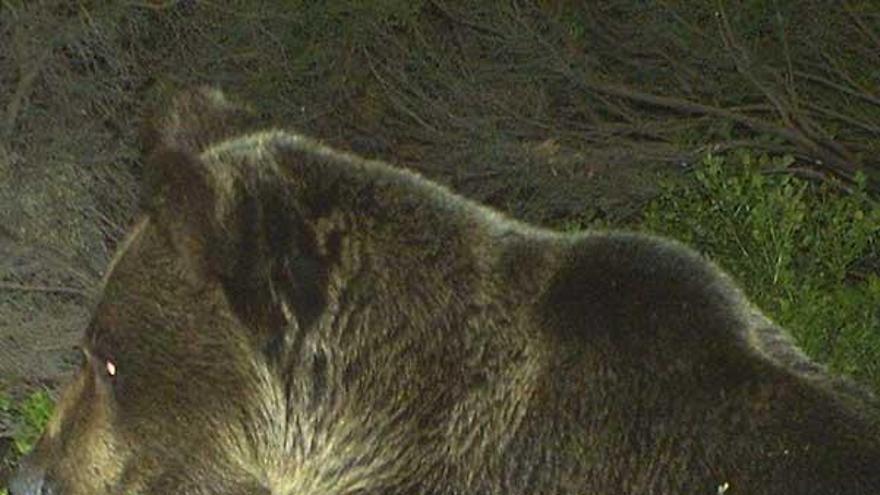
(557, 113)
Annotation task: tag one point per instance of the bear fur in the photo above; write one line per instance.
(288, 319)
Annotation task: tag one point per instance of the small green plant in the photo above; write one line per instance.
(804, 252)
(5, 403)
(33, 413)
(29, 417)
(5, 411)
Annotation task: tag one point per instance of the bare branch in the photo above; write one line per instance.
(22, 89)
(44, 288)
(863, 28)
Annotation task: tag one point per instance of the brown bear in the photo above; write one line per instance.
(288, 319)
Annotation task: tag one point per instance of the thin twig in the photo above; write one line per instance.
(801, 129)
(44, 288)
(25, 83)
(442, 9)
(54, 258)
(839, 87)
(413, 115)
(744, 65)
(842, 74)
(866, 126)
(863, 28)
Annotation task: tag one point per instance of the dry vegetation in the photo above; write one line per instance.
(554, 111)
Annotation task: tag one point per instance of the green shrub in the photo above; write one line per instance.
(5, 403)
(803, 252)
(35, 412)
(30, 416)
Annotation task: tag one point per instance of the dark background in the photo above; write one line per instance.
(565, 114)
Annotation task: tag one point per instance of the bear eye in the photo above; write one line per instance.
(110, 367)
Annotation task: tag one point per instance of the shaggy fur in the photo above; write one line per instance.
(288, 319)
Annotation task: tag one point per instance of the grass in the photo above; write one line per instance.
(803, 252)
(29, 417)
(32, 413)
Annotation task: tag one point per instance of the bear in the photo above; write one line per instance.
(287, 318)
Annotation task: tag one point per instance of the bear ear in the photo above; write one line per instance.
(180, 197)
(259, 246)
(196, 119)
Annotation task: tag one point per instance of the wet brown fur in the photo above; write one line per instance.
(290, 319)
